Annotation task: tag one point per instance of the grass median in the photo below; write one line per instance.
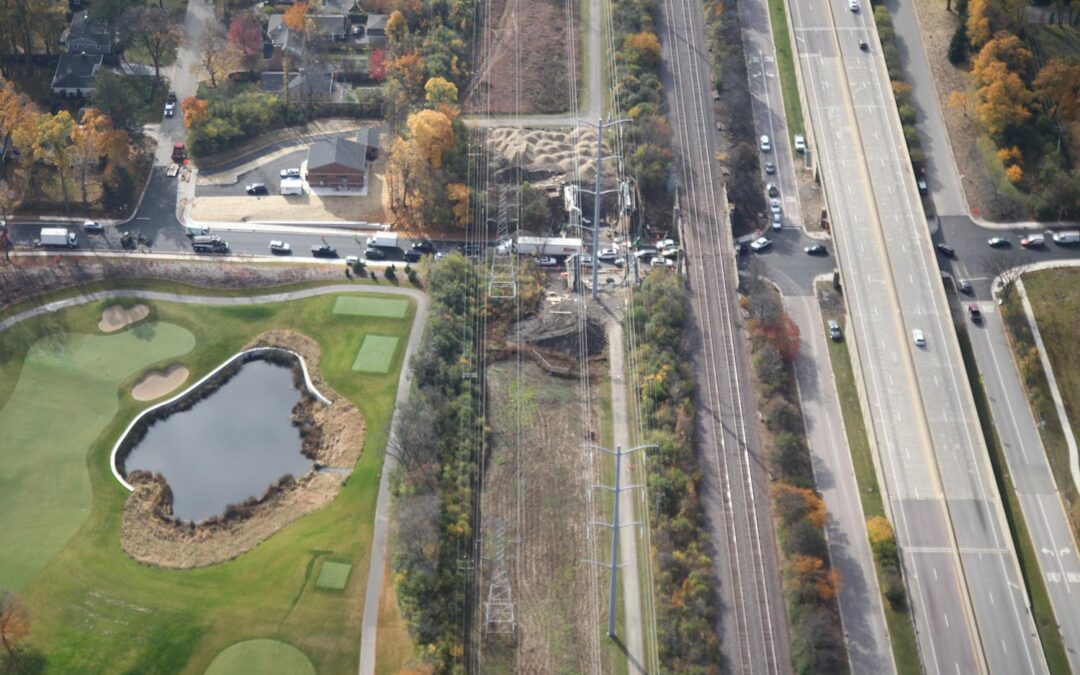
(785, 64)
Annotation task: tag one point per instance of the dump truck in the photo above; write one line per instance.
(59, 236)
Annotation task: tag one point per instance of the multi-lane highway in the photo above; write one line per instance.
(970, 607)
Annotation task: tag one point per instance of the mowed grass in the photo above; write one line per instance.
(266, 657)
(65, 396)
(390, 308)
(334, 575)
(376, 354)
(96, 610)
(1055, 298)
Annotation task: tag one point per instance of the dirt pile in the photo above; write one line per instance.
(333, 438)
(548, 152)
(557, 328)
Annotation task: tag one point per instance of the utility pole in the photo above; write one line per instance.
(615, 525)
(600, 125)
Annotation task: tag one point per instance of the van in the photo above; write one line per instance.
(292, 187)
(1063, 238)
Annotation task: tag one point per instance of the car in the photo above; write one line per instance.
(423, 246)
(853, 5)
(92, 226)
(834, 331)
(766, 146)
(770, 168)
(290, 173)
(324, 251)
(774, 205)
(257, 189)
(921, 182)
(1033, 241)
(647, 253)
(815, 249)
(760, 244)
(777, 221)
(918, 337)
(772, 190)
(171, 98)
(375, 254)
(607, 254)
(548, 261)
(863, 45)
(946, 250)
(586, 261)
(351, 260)
(998, 242)
(412, 256)
(278, 246)
(975, 313)
(800, 143)
(965, 287)
(742, 248)
(170, 104)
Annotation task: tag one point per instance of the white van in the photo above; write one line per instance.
(292, 187)
(1071, 237)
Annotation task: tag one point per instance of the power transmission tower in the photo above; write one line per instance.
(499, 608)
(597, 193)
(503, 280)
(615, 525)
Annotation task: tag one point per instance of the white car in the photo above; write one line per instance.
(352, 260)
(92, 226)
(774, 206)
(800, 143)
(761, 243)
(548, 261)
(277, 246)
(918, 337)
(776, 221)
(290, 173)
(766, 146)
(607, 254)
(853, 5)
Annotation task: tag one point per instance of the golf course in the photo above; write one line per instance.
(65, 398)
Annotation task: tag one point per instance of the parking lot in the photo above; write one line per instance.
(268, 174)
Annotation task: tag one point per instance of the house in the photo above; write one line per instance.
(309, 86)
(330, 27)
(338, 163)
(342, 7)
(375, 30)
(75, 74)
(282, 38)
(85, 36)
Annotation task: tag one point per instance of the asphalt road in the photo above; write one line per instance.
(269, 174)
(734, 487)
(970, 608)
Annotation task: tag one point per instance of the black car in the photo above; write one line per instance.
(423, 246)
(946, 250)
(257, 189)
(965, 287)
(412, 256)
(324, 251)
(815, 249)
(375, 254)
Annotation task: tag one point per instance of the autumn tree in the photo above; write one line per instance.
(440, 92)
(433, 134)
(153, 29)
(246, 37)
(377, 64)
(50, 144)
(16, 111)
(1058, 86)
(1008, 49)
(295, 18)
(93, 139)
(196, 111)
(217, 56)
(642, 49)
(458, 194)
(14, 624)
(794, 504)
(1002, 100)
(978, 22)
(396, 28)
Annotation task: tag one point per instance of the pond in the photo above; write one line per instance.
(228, 447)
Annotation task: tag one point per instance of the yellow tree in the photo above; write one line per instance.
(95, 138)
(459, 197)
(296, 17)
(433, 134)
(438, 91)
(642, 49)
(978, 23)
(1058, 86)
(16, 111)
(196, 111)
(1004, 47)
(50, 144)
(1003, 100)
(396, 28)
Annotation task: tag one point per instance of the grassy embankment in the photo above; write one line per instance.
(94, 609)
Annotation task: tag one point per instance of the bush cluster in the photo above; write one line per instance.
(685, 582)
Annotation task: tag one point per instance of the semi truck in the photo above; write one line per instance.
(59, 236)
(547, 246)
(1070, 237)
(383, 240)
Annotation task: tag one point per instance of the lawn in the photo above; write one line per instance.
(376, 354)
(96, 610)
(1057, 42)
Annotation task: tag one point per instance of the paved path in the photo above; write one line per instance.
(378, 540)
(861, 609)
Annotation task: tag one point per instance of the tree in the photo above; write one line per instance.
(16, 111)
(52, 146)
(377, 65)
(1008, 49)
(1003, 100)
(397, 29)
(458, 194)
(958, 99)
(246, 37)
(114, 96)
(1058, 86)
(958, 46)
(154, 30)
(109, 12)
(295, 18)
(441, 92)
(978, 23)
(217, 56)
(433, 134)
(641, 49)
(196, 111)
(14, 623)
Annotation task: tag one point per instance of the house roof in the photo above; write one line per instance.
(340, 151)
(329, 24)
(281, 36)
(84, 35)
(76, 71)
(318, 84)
(377, 21)
(340, 6)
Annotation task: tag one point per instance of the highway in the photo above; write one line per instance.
(734, 484)
(970, 609)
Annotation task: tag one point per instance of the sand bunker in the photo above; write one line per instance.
(157, 383)
(116, 317)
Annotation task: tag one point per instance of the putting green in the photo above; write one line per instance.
(366, 306)
(65, 396)
(376, 354)
(265, 657)
(334, 576)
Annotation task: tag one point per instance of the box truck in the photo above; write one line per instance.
(59, 236)
(292, 186)
(383, 240)
(547, 246)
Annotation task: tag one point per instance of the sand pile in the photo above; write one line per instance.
(547, 150)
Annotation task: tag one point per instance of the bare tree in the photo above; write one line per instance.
(155, 31)
(1006, 267)
(218, 57)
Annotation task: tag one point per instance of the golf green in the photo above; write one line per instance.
(65, 396)
(334, 575)
(265, 657)
(376, 354)
(366, 306)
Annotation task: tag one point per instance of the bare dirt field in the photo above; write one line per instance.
(936, 26)
(537, 485)
(532, 79)
(157, 383)
(116, 317)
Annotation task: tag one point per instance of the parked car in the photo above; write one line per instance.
(92, 227)
(257, 189)
(815, 249)
(772, 190)
(548, 261)
(946, 250)
(607, 254)
(975, 313)
(278, 246)
(423, 245)
(351, 260)
(921, 182)
(760, 244)
(834, 331)
(800, 143)
(375, 254)
(919, 338)
(777, 221)
(998, 242)
(774, 205)
(290, 173)
(411, 256)
(766, 146)
(170, 104)
(324, 251)
(646, 254)
(586, 261)
(770, 168)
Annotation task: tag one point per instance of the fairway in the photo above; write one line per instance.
(334, 576)
(378, 307)
(266, 657)
(376, 354)
(65, 396)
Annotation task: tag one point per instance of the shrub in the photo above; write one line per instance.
(958, 46)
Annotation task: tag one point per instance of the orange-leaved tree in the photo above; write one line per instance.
(295, 18)
(458, 193)
(196, 111)
(433, 134)
(1058, 86)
